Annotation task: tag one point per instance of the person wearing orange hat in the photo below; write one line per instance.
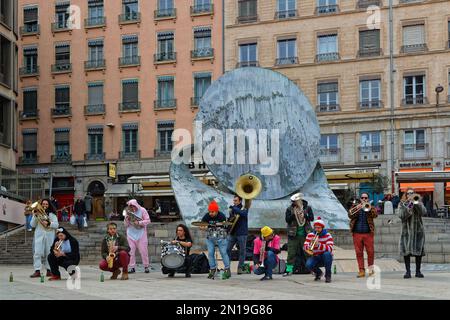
(269, 245)
(217, 235)
(322, 251)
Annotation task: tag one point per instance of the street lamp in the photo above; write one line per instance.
(438, 90)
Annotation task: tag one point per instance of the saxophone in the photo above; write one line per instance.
(110, 241)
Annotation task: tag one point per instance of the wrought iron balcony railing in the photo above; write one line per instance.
(202, 53)
(130, 155)
(62, 110)
(62, 67)
(417, 100)
(162, 104)
(371, 153)
(99, 64)
(30, 30)
(29, 115)
(325, 57)
(29, 71)
(163, 57)
(332, 107)
(200, 9)
(374, 52)
(247, 64)
(415, 151)
(334, 8)
(130, 17)
(286, 61)
(130, 61)
(412, 48)
(330, 155)
(95, 22)
(286, 14)
(370, 104)
(134, 106)
(94, 156)
(94, 109)
(167, 13)
(62, 158)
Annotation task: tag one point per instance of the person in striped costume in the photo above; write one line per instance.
(322, 251)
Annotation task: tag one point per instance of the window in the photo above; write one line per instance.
(95, 12)
(130, 134)
(329, 148)
(414, 89)
(62, 15)
(30, 59)
(448, 30)
(95, 140)
(326, 6)
(62, 56)
(286, 9)
(95, 50)
(95, 93)
(29, 102)
(201, 6)
(369, 43)
(166, 94)
(130, 48)
(369, 92)
(165, 46)
(165, 130)
(415, 146)
(247, 55)
(414, 38)
(130, 9)
(130, 94)
(5, 61)
(202, 81)
(6, 13)
(62, 144)
(247, 10)
(287, 51)
(202, 42)
(370, 146)
(5, 121)
(165, 8)
(30, 19)
(62, 100)
(327, 96)
(29, 145)
(327, 48)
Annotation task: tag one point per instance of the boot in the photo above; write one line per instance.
(327, 279)
(124, 275)
(212, 273)
(407, 267)
(227, 274)
(115, 274)
(36, 274)
(418, 265)
(361, 274)
(49, 273)
(54, 278)
(146, 270)
(318, 275)
(132, 270)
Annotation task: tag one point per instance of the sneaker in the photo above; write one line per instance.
(146, 270)
(265, 278)
(240, 271)
(227, 273)
(132, 270)
(171, 275)
(187, 275)
(54, 278)
(49, 273)
(115, 274)
(419, 274)
(286, 274)
(407, 275)
(327, 279)
(361, 274)
(124, 275)
(318, 276)
(36, 274)
(211, 273)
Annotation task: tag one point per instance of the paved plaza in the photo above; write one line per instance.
(390, 285)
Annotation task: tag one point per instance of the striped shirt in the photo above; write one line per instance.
(324, 244)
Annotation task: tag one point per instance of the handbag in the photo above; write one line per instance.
(73, 220)
(85, 224)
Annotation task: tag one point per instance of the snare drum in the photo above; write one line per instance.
(172, 255)
(219, 233)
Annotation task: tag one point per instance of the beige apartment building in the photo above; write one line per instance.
(107, 82)
(8, 86)
(338, 52)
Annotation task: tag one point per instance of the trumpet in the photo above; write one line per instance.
(58, 246)
(413, 200)
(40, 214)
(313, 243)
(366, 206)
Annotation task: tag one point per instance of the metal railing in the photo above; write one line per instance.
(286, 14)
(94, 156)
(334, 8)
(30, 30)
(247, 64)
(330, 155)
(132, 17)
(95, 64)
(162, 153)
(420, 47)
(370, 104)
(130, 61)
(168, 13)
(418, 100)
(202, 53)
(34, 160)
(95, 22)
(415, 151)
(29, 115)
(371, 153)
(62, 111)
(63, 158)
(369, 52)
(29, 71)
(202, 9)
(61, 67)
(165, 57)
(329, 56)
(247, 19)
(334, 107)
(4, 234)
(164, 104)
(130, 155)
(130, 106)
(95, 109)
(286, 61)
(57, 27)
(363, 4)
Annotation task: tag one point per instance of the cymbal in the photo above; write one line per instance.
(200, 224)
(206, 224)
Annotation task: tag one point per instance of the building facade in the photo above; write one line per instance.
(8, 85)
(377, 111)
(108, 82)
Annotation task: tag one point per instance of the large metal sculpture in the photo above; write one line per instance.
(264, 105)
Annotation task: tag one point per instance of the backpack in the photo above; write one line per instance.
(200, 263)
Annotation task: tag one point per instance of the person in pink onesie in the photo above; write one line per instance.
(136, 225)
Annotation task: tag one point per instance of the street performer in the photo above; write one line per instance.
(64, 253)
(115, 253)
(184, 239)
(238, 234)
(319, 246)
(265, 253)
(298, 217)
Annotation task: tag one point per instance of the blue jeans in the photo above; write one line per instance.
(242, 242)
(323, 260)
(28, 221)
(80, 221)
(269, 264)
(222, 244)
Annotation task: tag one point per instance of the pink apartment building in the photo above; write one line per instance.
(107, 82)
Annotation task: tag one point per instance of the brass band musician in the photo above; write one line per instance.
(64, 253)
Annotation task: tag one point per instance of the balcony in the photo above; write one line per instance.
(29, 160)
(330, 155)
(365, 53)
(328, 108)
(62, 67)
(91, 65)
(415, 151)
(29, 71)
(247, 19)
(125, 107)
(129, 155)
(327, 57)
(165, 104)
(162, 153)
(286, 61)
(94, 109)
(94, 156)
(62, 111)
(286, 14)
(165, 57)
(162, 14)
(202, 9)
(417, 100)
(95, 22)
(364, 4)
(62, 158)
(60, 27)
(132, 61)
(414, 48)
(370, 104)
(128, 18)
(29, 115)
(203, 53)
(30, 30)
(243, 64)
(321, 10)
(370, 153)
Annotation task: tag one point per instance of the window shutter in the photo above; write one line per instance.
(369, 39)
(62, 135)
(327, 87)
(29, 142)
(413, 35)
(30, 14)
(130, 91)
(30, 100)
(62, 95)
(62, 49)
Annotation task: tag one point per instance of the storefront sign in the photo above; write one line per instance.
(40, 171)
(112, 170)
(423, 164)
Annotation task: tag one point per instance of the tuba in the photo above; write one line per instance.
(247, 187)
(40, 214)
(313, 243)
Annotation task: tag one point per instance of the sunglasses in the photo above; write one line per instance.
(364, 198)
(410, 193)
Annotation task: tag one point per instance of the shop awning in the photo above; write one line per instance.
(157, 182)
(351, 175)
(420, 179)
(125, 189)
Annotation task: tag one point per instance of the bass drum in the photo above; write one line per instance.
(172, 256)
